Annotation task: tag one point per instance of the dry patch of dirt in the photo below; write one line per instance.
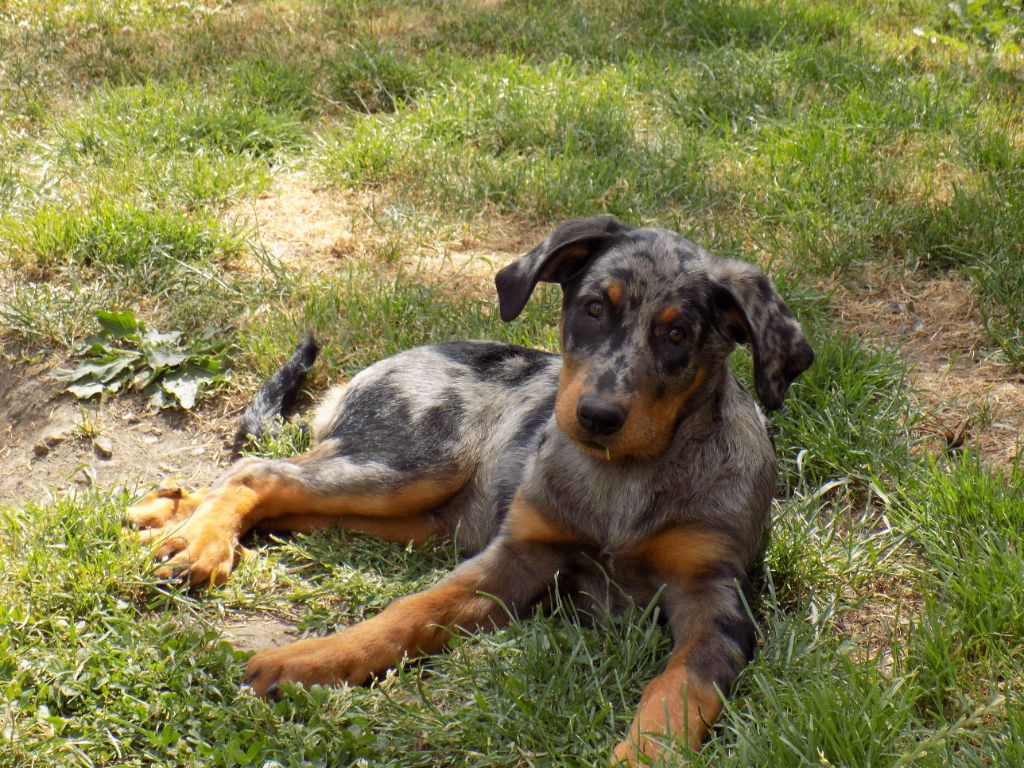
(879, 620)
(966, 395)
(307, 225)
(254, 633)
(52, 444)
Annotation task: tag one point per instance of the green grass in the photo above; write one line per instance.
(815, 137)
(361, 317)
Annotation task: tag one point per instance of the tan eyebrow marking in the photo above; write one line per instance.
(614, 292)
(667, 315)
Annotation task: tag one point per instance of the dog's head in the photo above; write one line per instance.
(648, 321)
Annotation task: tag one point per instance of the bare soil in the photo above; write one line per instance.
(310, 226)
(967, 396)
(254, 633)
(52, 444)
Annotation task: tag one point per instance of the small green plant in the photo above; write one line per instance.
(997, 25)
(88, 426)
(169, 370)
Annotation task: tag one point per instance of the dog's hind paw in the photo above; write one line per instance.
(199, 551)
(167, 505)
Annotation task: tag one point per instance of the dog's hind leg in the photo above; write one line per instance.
(318, 488)
(401, 530)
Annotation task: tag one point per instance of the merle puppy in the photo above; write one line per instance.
(634, 455)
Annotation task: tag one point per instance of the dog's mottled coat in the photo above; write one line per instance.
(635, 454)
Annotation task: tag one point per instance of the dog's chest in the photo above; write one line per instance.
(611, 506)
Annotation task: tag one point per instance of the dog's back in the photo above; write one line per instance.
(471, 410)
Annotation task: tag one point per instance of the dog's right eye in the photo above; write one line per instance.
(595, 308)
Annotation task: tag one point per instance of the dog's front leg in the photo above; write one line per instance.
(714, 639)
(506, 577)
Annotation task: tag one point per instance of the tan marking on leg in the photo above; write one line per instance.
(410, 627)
(274, 496)
(167, 505)
(676, 703)
(525, 522)
(205, 546)
(417, 496)
(673, 704)
(685, 552)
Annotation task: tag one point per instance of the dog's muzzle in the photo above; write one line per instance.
(600, 417)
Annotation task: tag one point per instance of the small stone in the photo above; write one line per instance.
(131, 417)
(41, 449)
(151, 439)
(103, 446)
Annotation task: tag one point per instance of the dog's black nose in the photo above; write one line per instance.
(600, 417)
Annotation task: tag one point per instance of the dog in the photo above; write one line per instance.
(635, 455)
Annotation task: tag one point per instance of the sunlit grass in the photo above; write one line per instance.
(813, 137)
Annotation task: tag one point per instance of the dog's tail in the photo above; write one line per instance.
(264, 414)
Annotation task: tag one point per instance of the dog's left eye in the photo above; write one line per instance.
(676, 335)
(595, 308)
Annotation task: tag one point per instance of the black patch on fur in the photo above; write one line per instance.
(583, 332)
(377, 426)
(739, 630)
(673, 359)
(624, 275)
(534, 421)
(525, 443)
(724, 652)
(606, 381)
(507, 363)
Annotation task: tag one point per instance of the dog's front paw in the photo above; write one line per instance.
(625, 754)
(333, 660)
(630, 753)
(167, 506)
(200, 550)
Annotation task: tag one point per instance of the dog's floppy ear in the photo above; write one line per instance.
(751, 311)
(556, 260)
